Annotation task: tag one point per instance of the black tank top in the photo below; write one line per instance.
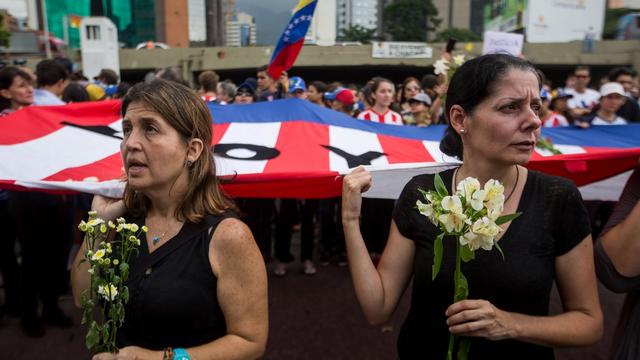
(173, 302)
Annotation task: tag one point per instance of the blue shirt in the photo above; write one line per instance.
(46, 97)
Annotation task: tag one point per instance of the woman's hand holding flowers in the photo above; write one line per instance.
(480, 318)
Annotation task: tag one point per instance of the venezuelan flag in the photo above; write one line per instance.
(292, 38)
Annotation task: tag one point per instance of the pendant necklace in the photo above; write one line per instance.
(157, 238)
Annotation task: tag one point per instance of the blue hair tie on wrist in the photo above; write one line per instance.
(181, 354)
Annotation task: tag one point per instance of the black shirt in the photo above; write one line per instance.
(626, 345)
(175, 302)
(553, 221)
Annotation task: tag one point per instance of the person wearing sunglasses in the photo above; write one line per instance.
(584, 99)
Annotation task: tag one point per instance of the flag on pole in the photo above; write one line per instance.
(74, 21)
(292, 38)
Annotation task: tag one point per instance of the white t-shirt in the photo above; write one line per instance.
(554, 119)
(586, 100)
(600, 121)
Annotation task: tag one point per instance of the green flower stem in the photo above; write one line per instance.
(456, 277)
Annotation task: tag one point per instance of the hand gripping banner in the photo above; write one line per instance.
(285, 148)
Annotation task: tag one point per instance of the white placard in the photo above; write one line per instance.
(565, 20)
(502, 43)
(405, 50)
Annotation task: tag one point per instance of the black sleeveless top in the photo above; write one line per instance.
(553, 221)
(174, 302)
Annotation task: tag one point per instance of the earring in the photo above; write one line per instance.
(462, 131)
(189, 163)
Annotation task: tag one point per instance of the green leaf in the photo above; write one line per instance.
(463, 348)
(466, 254)
(92, 336)
(423, 192)
(462, 289)
(125, 294)
(106, 332)
(506, 218)
(439, 185)
(499, 249)
(437, 256)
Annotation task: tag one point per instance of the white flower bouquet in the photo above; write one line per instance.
(473, 216)
(108, 269)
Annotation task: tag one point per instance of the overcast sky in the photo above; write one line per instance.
(271, 17)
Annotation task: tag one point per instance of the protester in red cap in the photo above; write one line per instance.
(341, 100)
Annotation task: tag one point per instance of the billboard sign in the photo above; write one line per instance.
(565, 20)
(504, 15)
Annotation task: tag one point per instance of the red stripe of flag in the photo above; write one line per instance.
(285, 59)
(108, 168)
(218, 132)
(300, 145)
(401, 150)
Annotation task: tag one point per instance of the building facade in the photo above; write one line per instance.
(350, 13)
(241, 30)
(322, 30)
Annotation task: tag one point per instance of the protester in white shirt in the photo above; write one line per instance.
(584, 99)
(612, 99)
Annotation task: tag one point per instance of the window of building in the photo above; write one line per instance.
(93, 32)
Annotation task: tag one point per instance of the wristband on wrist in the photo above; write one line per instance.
(181, 354)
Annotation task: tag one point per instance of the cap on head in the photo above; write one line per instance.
(612, 88)
(343, 95)
(296, 83)
(423, 98)
(247, 86)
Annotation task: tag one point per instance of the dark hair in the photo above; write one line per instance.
(320, 86)
(263, 68)
(471, 84)
(580, 68)
(49, 72)
(171, 73)
(429, 81)
(121, 90)
(406, 81)
(208, 80)
(190, 117)
(108, 76)
(7, 75)
(619, 71)
(75, 92)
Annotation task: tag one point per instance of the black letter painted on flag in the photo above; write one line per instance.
(355, 160)
(260, 152)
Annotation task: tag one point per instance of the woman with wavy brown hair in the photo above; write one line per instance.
(198, 283)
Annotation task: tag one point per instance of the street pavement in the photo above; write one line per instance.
(311, 317)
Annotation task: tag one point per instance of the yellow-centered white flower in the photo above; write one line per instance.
(452, 204)
(109, 292)
(458, 59)
(98, 255)
(440, 67)
(453, 222)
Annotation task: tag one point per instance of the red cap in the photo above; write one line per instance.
(346, 97)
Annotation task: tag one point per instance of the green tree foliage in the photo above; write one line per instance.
(5, 36)
(357, 33)
(410, 20)
(611, 22)
(458, 34)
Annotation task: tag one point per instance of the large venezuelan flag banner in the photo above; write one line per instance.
(292, 38)
(284, 148)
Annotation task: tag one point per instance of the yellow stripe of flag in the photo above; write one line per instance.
(302, 4)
